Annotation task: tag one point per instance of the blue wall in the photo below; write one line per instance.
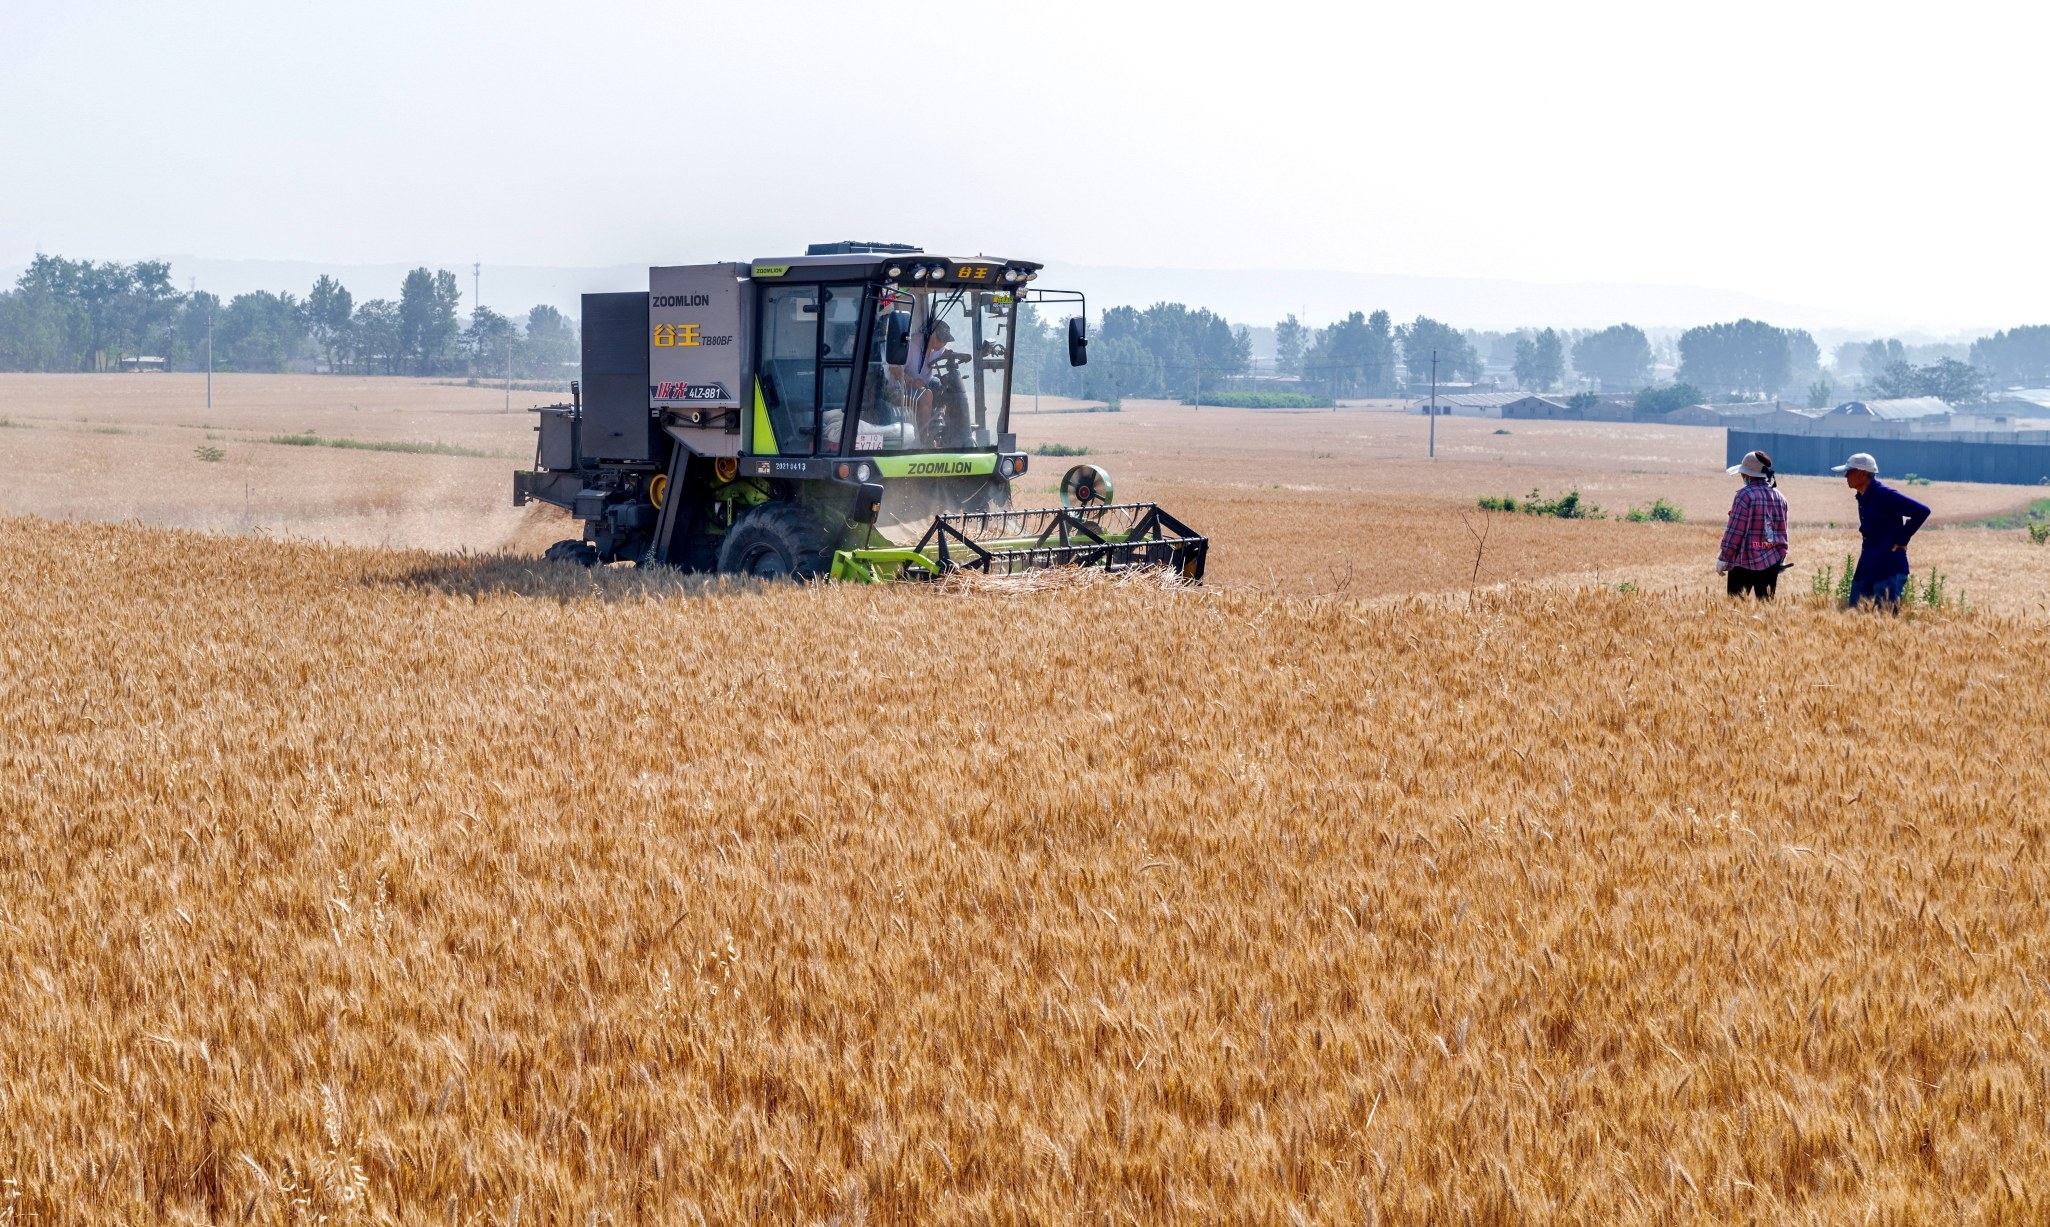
(2017, 464)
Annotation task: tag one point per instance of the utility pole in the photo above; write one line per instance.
(477, 284)
(508, 374)
(1434, 404)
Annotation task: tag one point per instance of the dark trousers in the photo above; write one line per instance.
(1761, 584)
(1884, 592)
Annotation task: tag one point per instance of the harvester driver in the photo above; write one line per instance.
(919, 374)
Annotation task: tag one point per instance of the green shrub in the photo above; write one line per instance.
(1059, 449)
(1911, 480)
(1263, 400)
(2037, 512)
(1660, 512)
(210, 453)
(1567, 506)
(1829, 582)
(2039, 533)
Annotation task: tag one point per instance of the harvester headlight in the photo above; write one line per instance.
(894, 271)
(918, 272)
(1010, 274)
(861, 472)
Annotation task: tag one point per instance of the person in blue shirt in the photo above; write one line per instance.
(1886, 519)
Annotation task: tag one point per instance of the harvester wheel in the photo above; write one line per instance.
(777, 541)
(573, 551)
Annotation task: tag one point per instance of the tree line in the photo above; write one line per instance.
(78, 315)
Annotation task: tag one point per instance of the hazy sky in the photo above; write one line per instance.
(1868, 158)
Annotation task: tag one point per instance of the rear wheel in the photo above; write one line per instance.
(776, 541)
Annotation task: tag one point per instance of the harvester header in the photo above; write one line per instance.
(779, 416)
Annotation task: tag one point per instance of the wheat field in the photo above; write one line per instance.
(358, 886)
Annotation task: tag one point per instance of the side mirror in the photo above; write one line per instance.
(1078, 342)
(897, 338)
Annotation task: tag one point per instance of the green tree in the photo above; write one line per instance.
(1849, 359)
(1953, 381)
(376, 342)
(1182, 349)
(1618, 356)
(1353, 357)
(1540, 360)
(328, 310)
(71, 315)
(260, 331)
(199, 310)
(2018, 357)
(1290, 339)
(1819, 394)
(429, 329)
(1804, 358)
(1655, 402)
(551, 343)
(1958, 383)
(1878, 355)
(1457, 357)
(1744, 357)
(490, 342)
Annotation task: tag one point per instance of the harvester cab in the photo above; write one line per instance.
(844, 413)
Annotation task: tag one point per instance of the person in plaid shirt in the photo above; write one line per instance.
(1755, 544)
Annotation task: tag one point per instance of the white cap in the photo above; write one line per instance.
(1754, 464)
(1859, 460)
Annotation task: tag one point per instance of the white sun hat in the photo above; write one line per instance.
(1754, 464)
(1858, 460)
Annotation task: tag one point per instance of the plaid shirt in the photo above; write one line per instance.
(1757, 535)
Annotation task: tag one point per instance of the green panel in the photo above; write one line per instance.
(964, 464)
(769, 270)
(765, 432)
(872, 565)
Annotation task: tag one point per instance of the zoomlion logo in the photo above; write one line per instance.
(940, 468)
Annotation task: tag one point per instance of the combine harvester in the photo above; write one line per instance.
(844, 413)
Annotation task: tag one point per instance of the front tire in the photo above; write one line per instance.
(581, 552)
(777, 541)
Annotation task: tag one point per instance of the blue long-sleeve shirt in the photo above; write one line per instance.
(1886, 518)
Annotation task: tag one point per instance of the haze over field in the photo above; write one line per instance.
(1253, 295)
(1744, 158)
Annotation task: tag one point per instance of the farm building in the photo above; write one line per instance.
(1905, 409)
(2014, 403)
(1719, 415)
(1469, 404)
(1530, 405)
